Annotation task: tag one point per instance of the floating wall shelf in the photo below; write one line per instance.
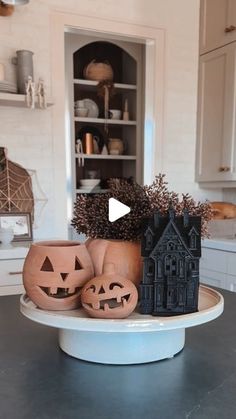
(105, 156)
(102, 121)
(90, 84)
(19, 101)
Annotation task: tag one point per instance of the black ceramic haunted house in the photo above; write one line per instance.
(171, 247)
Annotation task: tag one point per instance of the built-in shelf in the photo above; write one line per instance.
(127, 60)
(12, 99)
(92, 191)
(102, 121)
(91, 85)
(105, 156)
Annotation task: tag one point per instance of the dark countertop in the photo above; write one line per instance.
(39, 381)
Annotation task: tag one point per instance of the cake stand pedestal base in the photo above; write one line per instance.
(122, 348)
(135, 340)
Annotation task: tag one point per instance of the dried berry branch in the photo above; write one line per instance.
(91, 211)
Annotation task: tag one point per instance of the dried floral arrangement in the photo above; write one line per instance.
(91, 211)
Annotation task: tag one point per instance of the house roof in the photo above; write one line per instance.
(194, 224)
(170, 226)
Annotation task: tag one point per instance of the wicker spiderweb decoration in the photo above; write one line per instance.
(16, 194)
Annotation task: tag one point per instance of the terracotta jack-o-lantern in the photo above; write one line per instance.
(109, 296)
(116, 256)
(54, 273)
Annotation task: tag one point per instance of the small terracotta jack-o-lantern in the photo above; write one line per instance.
(109, 297)
(54, 273)
(116, 256)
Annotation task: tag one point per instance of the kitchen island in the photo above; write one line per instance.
(39, 381)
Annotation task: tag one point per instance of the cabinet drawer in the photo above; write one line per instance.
(214, 260)
(232, 263)
(11, 271)
(231, 283)
(216, 279)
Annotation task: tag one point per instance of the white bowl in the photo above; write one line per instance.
(82, 112)
(115, 113)
(90, 182)
(79, 104)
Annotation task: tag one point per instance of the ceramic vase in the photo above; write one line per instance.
(115, 146)
(24, 63)
(116, 257)
(54, 273)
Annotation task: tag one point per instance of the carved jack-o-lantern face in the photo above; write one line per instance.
(109, 296)
(55, 272)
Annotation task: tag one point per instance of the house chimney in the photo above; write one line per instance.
(156, 219)
(186, 217)
(171, 213)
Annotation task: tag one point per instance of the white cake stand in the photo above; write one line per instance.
(135, 340)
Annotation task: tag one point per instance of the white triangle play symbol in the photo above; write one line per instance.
(117, 210)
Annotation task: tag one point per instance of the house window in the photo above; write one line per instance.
(149, 241)
(193, 241)
(150, 268)
(192, 265)
(170, 265)
(170, 245)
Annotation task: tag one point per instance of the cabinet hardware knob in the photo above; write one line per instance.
(224, 169)
(16, 273)
(230, 28)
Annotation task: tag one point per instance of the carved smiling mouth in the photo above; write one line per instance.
(109, 304)
(55, 292)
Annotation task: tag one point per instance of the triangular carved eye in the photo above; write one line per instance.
(47, 265)
(77, 265)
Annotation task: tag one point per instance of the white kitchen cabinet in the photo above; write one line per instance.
(218, 268)
(231, 283)
(217, 24)
(11, 266)
(212, 278)
(216, 160)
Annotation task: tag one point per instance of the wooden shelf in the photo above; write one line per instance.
(105, 156)
(11, 99)
(102, 121)
(91, 85)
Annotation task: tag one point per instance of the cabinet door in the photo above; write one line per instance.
(11, 272)
(213, 260)
(231, 283)
(217, 24)
(216, 116)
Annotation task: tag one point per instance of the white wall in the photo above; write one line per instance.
(28, 134)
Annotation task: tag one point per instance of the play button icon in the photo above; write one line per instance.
(117, 210)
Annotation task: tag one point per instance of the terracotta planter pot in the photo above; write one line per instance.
(116, 257)
(54, 273)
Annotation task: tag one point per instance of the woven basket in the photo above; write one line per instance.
(5, 9)
(98, 71)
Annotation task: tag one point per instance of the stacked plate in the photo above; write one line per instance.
(7, 87)
(90, 185)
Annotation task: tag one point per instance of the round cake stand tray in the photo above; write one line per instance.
(135, 340)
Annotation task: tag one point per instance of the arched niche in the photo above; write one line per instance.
(123, 63)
